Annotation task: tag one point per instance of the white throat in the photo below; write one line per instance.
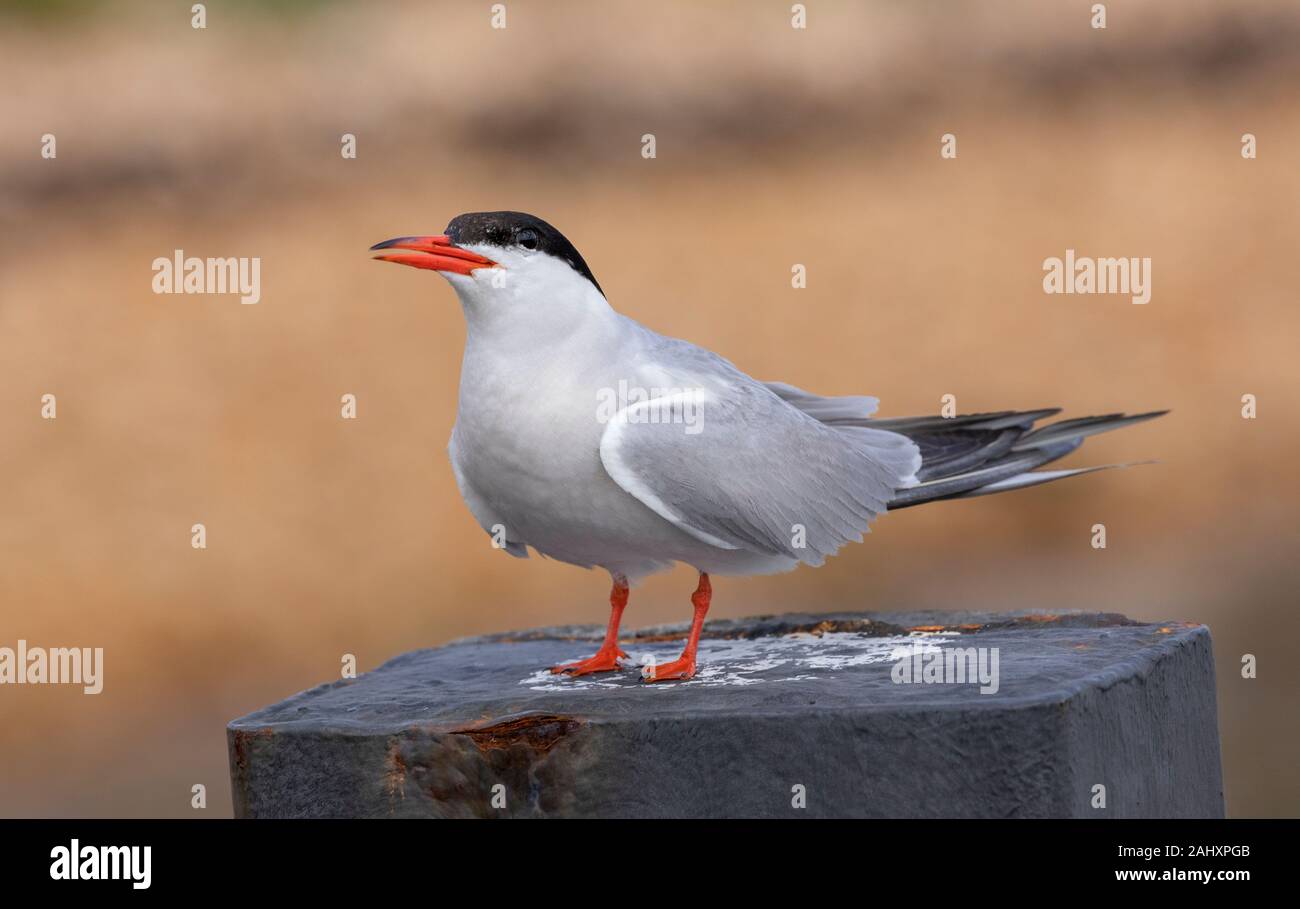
(530, 300)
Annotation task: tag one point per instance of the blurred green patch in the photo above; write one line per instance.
(51, 12)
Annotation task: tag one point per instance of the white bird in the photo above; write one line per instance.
(598, 442)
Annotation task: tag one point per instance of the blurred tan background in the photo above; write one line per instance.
(775, 146)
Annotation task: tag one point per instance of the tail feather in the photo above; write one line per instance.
(946, 460)
(982, 454)
(1012, 465)
(1000, 420)
(1081, 428)
(1035, 477)
(972, 454)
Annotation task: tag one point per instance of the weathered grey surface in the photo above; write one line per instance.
(779, 702)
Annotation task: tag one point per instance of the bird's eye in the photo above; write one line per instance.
(527, 238)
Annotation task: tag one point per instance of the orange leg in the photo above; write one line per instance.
(683, 667)
(606, 658)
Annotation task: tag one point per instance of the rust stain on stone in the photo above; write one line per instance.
(538, 732)
(242, 737)
(841, 626)
(395, 776)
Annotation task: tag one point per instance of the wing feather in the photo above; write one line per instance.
(756, 469)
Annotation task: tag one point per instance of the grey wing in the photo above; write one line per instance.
(837, 409)
(752, 472)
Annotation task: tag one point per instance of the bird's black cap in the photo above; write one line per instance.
(515, 228)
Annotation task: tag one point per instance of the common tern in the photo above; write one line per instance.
(596, 441)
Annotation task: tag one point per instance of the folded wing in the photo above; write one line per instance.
(740, 468)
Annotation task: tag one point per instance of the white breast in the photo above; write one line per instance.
(526, 448)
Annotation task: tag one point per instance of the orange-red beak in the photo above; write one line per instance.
(436, 253)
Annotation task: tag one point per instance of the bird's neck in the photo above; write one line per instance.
(538, 320)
